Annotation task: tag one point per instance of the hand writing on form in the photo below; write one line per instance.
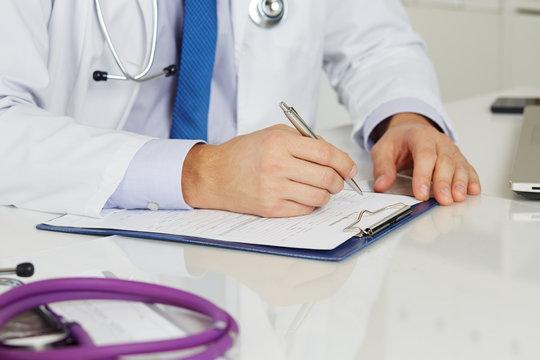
(274, 172)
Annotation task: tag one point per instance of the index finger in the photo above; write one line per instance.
(323, 153)
(424, 155)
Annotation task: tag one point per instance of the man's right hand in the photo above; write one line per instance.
(274, 172)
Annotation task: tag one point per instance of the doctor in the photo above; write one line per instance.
(69, 143)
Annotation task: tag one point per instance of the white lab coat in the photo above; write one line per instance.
(60, 147)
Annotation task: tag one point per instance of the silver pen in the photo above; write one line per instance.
(305, 130)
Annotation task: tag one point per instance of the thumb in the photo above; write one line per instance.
(384, 168)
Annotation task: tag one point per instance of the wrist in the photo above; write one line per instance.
(401, 119)
(196, 176)
(408, 118)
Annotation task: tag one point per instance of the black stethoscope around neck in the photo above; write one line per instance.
(264, 13)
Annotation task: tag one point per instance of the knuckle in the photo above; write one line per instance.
(441, 183)
(268, 165)
(340, 185)
(274, 138)
(459, 185)
(324, 153)
(462, 171)
(445, 160)
(321, 198)
(327, 178)
(270, 208)
(349, 163)
(427, 153)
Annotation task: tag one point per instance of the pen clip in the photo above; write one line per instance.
(381, 224)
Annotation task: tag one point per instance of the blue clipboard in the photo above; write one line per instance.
(341, 252)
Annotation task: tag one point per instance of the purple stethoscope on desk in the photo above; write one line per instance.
(216, 340)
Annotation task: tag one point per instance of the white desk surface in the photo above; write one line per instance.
(460, 282)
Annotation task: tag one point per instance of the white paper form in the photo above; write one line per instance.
(321, 230)
(114, 322)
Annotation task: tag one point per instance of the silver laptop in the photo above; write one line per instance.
(525, 175)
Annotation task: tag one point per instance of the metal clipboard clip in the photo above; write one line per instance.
(402, 212)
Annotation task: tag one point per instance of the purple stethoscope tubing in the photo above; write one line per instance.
(218, 338)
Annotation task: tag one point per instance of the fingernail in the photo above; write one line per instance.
(353, 172)
(424, 190)
(379, 179)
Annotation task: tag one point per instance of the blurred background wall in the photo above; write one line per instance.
(476, 46)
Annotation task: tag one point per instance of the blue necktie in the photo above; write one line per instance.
(190, 115)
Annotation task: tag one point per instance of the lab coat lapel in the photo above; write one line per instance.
(146, 11)
(239, 13)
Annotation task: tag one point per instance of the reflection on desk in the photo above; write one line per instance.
(280, 303)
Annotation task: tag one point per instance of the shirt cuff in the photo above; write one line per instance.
(393, 107)
(153, 179)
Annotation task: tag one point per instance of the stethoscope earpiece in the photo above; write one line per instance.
(23, 270)
(267, 13)
(99, 75)
(170, 70)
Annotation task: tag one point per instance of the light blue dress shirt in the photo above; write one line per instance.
(154, 175)
(153, 179)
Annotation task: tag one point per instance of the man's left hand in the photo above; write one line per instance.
(410, 140)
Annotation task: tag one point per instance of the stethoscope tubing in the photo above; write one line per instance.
(256, 13)
(126, 75)
(220, 337)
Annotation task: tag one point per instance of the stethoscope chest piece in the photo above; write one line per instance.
(267, 13)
